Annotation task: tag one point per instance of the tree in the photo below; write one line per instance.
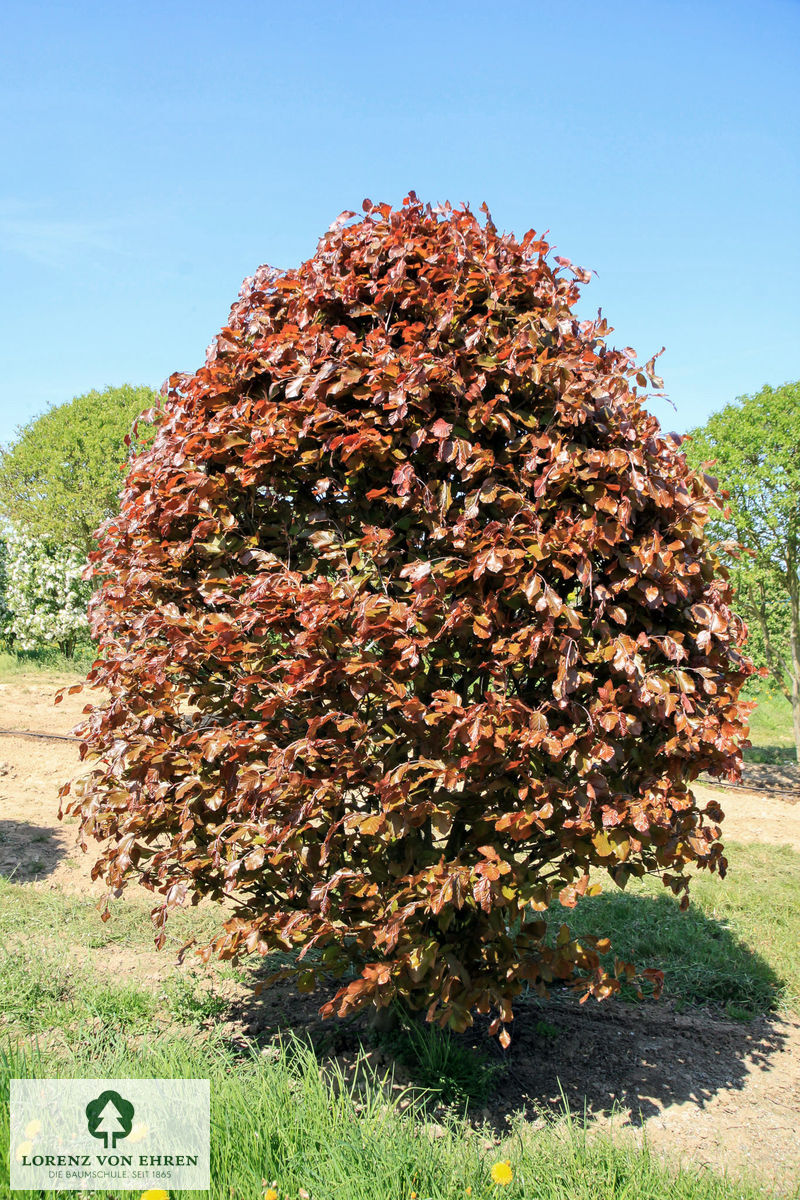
(5, 615)
(61, 477)
(109, 1117)
(409, 621)
(46, 597)
(754, 445)
(109, 1124)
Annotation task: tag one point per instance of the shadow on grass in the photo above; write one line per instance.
(713, 1027)
(772, 755)
(704, 962)
(28, 851)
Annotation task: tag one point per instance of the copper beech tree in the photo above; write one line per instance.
(408, 622)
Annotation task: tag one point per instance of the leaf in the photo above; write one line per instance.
(482, 626)
(602, 844)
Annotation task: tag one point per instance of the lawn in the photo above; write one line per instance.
(771, 731)
(15, 663)
(735, 948)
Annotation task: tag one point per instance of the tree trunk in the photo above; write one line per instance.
(775, 664)
(794, 637)
(385, 1020)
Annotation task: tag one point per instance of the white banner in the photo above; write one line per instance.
(117, 1134)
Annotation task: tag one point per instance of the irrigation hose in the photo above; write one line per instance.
(48, 737)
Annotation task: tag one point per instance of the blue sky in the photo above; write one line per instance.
(152, 155)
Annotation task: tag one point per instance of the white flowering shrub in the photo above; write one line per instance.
(45, 596)
(5, 616)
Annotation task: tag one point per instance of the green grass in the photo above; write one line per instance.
(735, 948)
(35, 990)
(190, 1002)
(278, 1117)
(771, 729)
(14, 663)
(440, 1065)
(35, 913)
(43, 986)
(42, 994)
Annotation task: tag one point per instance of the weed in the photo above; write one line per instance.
(192, 1003)
(123, 1009)
(452, 1072)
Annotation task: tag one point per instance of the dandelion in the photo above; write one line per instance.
(502, 1173)
(22, 1149)
(139, 1131)
(32, 1128)
(155, 1194)
(271, 1194)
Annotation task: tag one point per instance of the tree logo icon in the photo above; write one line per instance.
(109, 1117)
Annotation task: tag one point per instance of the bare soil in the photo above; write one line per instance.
(704, 1090)
(782, 778)
(785, 775)
(34, 843)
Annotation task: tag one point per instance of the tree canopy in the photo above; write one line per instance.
(754, 444)
(409, 621)
(61, 476)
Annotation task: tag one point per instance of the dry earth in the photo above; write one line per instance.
(708, 1091)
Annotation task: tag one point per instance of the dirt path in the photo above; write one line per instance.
(712, 1092)
(756, 817)
(34, 844)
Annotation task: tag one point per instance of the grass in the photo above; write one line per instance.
(42, 995)
(192, 1003)
(35, 913)
(279, 1117)
(443, 1067)
(48, 985)
(735, 948)
(771, 729)
(14, 663)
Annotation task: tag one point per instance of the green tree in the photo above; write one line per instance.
(61, 477)
(5, 615)
(755, 446)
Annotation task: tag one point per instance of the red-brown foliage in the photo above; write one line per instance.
(410, 621)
